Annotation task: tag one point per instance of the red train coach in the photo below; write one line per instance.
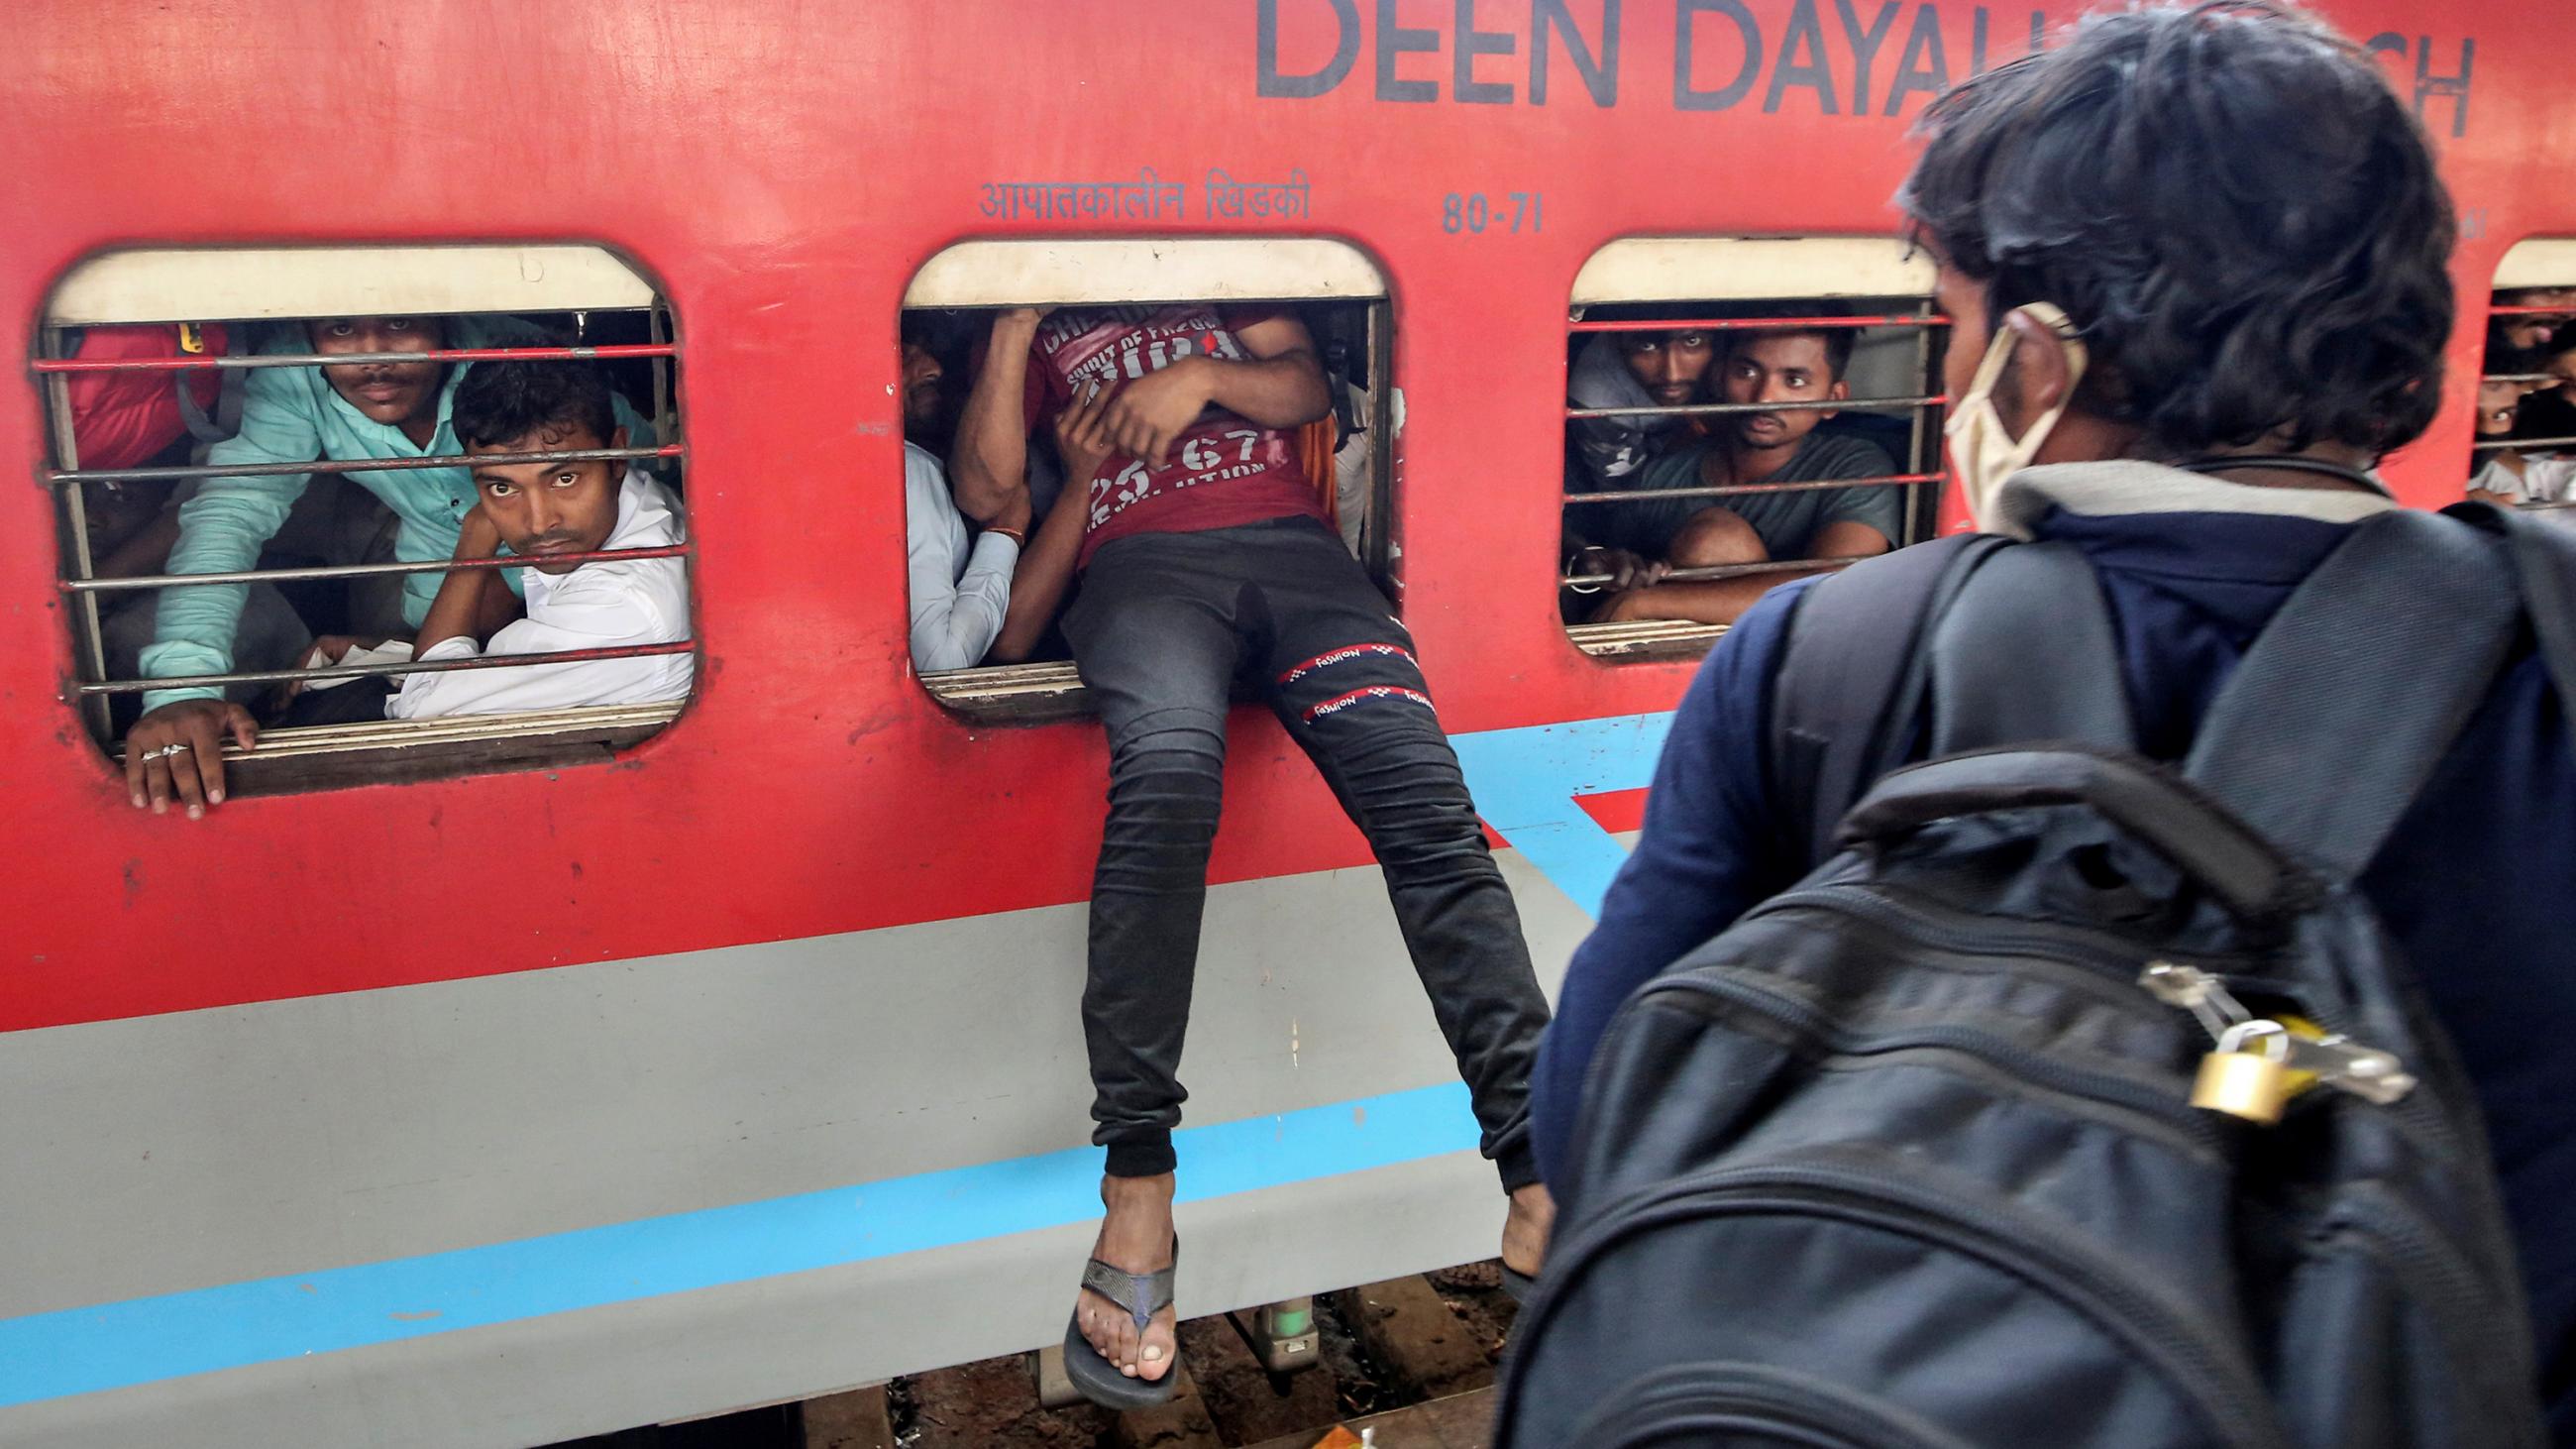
(505, 1081)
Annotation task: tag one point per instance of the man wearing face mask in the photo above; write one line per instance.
(2179, 350)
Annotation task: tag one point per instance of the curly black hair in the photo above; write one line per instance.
(2230, 202)
(1839, 341)
(504, 402)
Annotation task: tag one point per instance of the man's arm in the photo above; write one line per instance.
(220, 530)
(989, 465)
(1046, 565)
(1702, 860)
(1280, 386)
(954, 616)
(580, 614)
(1045, 571)
(459, 608)
(1857, 523)
(147, 552)
(1723, 601)
(223, 527)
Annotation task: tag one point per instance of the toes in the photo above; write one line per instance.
(1112, 1335)
(1101, 1332)
(1154, 1357)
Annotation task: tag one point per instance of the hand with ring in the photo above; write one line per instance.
(176, 753)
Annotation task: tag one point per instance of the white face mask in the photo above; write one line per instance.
(1981, 450)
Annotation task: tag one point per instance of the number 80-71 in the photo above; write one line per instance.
(1472, 214)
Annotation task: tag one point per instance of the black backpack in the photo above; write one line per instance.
(1907, 1156)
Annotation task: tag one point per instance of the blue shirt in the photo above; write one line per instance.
(2477, 884)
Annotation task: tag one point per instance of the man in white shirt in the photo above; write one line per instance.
(961, 592)
(543, 509)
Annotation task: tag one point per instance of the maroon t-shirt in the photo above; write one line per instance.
(1223, 471)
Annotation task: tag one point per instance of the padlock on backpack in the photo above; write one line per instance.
(2248, 1075)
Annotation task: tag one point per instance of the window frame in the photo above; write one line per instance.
(1718, 280)
(2532, 262)
(989, 274)
(251, 286)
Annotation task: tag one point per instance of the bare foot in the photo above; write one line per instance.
(1525, 1231)
(1135, 1237)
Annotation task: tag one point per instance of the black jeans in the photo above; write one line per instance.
(1165, 622)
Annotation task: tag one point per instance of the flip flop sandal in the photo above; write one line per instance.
(1143, 1295)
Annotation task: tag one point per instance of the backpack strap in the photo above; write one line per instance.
(2544, 565)
(1848, 694)
(2026, 653)
(2358, 686)
(230, 384)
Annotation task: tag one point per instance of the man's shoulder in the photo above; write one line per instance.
(1066, 325)
(1675, 467)
(640, 601)
(658, 517)
(925, 485)
(1843, 455)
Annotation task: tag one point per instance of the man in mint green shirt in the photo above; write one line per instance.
(293, 416)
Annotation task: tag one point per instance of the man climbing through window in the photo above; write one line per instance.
(1205, 558)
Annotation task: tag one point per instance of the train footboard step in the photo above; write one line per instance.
(859, 1419)
(1406, 1364)
(1405, 1325)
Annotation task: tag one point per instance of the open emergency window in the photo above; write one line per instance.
(2524, 449)
(1694, 362)
(166, 450)
(1329, 287)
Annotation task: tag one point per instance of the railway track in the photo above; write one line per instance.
(1403, 1364)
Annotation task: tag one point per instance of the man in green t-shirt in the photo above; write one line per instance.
(1770, 448)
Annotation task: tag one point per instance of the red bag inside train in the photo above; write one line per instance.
(124, 418)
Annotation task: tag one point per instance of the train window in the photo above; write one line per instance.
(2524, 449)
(985, 595)
(1739, 412)
(279, 474)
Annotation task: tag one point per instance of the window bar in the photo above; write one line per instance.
(2562, 309)
(656, 318)
(367, 570)
(2542, 505)
(610, 352)
(366, 465)
(1762, 324)
(1733, 490)
(1380, 540)
(1722, 571)
(1698, 410)
(360, 671)
(2520, 377)
(2524, 443)
(1923, 444)
(92, 663)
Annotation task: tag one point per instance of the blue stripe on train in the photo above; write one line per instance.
(82, 1350)
(1524, 781)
